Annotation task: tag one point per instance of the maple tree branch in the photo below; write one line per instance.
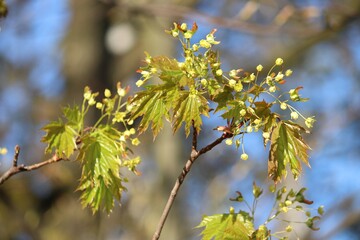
(15, 169)
(193, 156)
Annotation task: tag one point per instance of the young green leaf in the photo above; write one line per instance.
(152, 105)
(232, 226)
(287, 147)
(61, 137)
(189, 107)
(100, 157)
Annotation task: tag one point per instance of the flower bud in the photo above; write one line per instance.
(309, 122)
(244, 156)
(188, 35)
(121, 92)
(294, 115)
(252, 77)
(238, 87)
(232, 82)
(183, 26)
(204, 82)
(249, 129)
(279, 76)
(279, 61)
(132, 131)
(139, 83)
(219, 72)
(107, 93)
(288, 72)
(229, 142)
(205, 44)
(135, 141)
(92, 101)
(99, 105)
(259, 68)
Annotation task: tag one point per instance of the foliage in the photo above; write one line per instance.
(241, 225)
(183, 96)
(188, 88)
(101, 149)
(227, 226)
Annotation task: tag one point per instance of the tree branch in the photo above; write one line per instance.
(15, 169)
(193, 156)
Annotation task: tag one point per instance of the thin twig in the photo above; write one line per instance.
(15, 169)
(193, 156)
(194, 140)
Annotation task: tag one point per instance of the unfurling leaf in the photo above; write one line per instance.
(233, 226)
(287, 147)
(61, 137)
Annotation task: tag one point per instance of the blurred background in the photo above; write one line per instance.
(50, 50)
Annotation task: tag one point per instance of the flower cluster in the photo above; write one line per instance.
(113, 109)
(285, 201)
(270, 84)
(237, 94)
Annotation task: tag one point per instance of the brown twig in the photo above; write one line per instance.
(193, 156)
(15, 169)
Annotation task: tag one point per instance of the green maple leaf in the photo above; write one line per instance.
(100, 156)
(233, 226)
(151, 104)
(61, 137)
(100, 192)
(287, 147)
(190, 107)
(234, 108)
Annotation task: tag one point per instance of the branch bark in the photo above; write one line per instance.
(15, 169)
(193, 156)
